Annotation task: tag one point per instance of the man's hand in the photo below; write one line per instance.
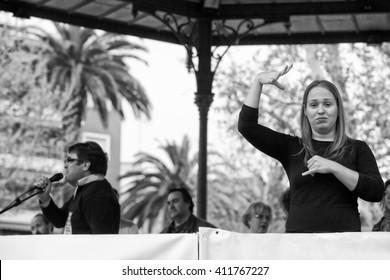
(44, 184)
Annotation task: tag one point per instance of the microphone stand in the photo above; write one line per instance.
(18, 200)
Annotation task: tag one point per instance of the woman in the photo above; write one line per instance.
(257, 217)
(327, 170)
(384, 223)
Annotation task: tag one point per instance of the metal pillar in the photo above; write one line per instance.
(203, 99)
(197, 33)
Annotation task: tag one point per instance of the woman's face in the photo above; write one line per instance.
(259, 223)
(387, 197)
(322, 112)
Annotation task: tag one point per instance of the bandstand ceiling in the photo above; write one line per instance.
(234, 22)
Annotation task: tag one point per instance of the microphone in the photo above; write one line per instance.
(56, 177)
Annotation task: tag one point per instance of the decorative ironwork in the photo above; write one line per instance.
(203, 101)
(184, 32)
(223, 35)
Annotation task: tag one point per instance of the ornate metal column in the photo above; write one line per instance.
(196, 36)
(203, 99)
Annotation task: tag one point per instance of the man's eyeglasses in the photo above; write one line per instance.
(69, 160)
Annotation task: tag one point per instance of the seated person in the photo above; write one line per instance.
(127, 226)
(180, 208)
(384, 223)
(285, 200)
(41, 225)
(257, 217)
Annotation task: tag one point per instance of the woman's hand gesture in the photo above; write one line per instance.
(319, 164)
(272, 77)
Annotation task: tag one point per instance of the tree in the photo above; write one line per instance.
(30, 116)
(84, 62)
(145, 191)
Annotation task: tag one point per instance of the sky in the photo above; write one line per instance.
(170, 89)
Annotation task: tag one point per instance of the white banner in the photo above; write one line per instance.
(100, 247)
(209, 244)
(217, 244)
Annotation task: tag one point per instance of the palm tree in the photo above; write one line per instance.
(82, 62)
(145, 188)
(145, 192)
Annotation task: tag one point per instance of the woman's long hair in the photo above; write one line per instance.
(339, 145)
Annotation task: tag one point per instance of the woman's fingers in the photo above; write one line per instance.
(281, 73)
(285, 70)
(272, 77)
(278, 85)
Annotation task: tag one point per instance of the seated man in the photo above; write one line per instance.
(41, 225)
(180, 208)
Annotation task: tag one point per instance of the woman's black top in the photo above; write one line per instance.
(319, 203)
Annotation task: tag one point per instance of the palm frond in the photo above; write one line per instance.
(84, 62)
(151, 179)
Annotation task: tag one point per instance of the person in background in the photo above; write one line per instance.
(327, 170)
(285, 200)
(94, 207)
(41, 225)
(279, 224)
(126, 226)
(384, 223)
(180, 209)
(257, 217)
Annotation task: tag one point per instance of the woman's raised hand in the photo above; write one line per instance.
(272, 77)
(253, 97)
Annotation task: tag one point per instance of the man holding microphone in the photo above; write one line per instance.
(94, 207)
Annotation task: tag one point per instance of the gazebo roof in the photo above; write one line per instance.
(241, 22)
